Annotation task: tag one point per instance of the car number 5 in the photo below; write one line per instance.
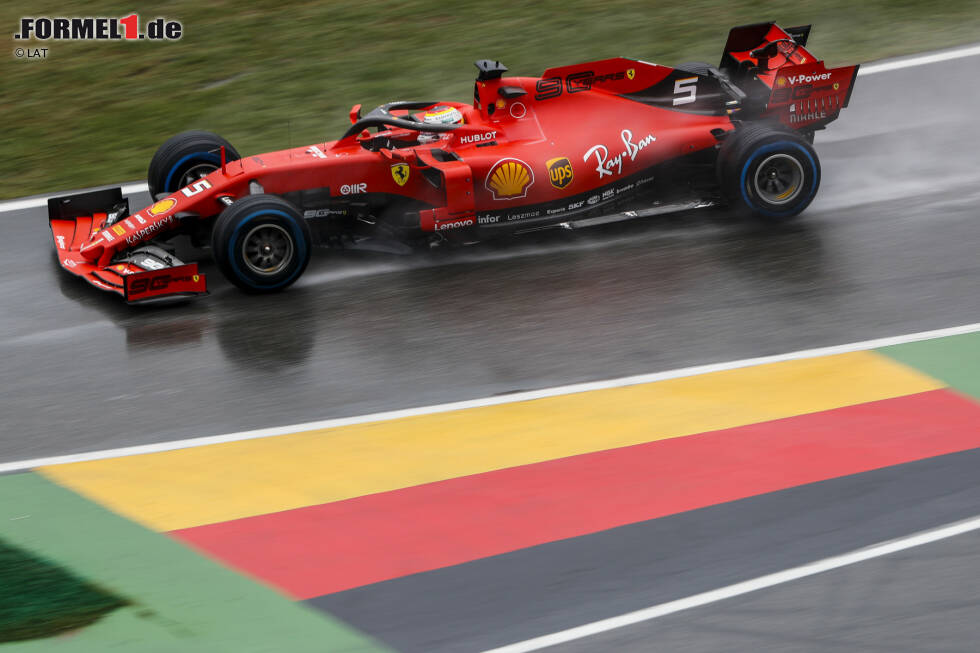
(686, 89)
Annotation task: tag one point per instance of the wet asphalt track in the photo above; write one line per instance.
(890, 246)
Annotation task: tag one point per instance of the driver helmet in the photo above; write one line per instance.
(440, 115)
(443, 115)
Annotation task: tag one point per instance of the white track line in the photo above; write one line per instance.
(885, 66)
(485, 401)
(867, 69)
(762, 582)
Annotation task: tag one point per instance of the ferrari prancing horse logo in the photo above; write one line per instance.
(400, 172)
(631, 73)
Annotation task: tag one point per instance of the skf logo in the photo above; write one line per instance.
(560, 172)
(509, 179)
(162, 206)
(400, 172)
(631, 73)
(119, 229)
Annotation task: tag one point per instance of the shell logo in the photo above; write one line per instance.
(780, 82)
(162, 206)
(509, 179)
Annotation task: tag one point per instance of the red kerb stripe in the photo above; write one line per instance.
(322, 549)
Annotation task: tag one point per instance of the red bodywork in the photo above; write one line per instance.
(530, 150)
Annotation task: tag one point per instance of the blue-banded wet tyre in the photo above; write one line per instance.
(261, 243)
(185, 158)
(768, 172)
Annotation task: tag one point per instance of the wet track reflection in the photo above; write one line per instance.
(888, 247)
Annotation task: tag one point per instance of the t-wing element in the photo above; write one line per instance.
(489, 69)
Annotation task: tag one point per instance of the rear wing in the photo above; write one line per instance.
(782, 79)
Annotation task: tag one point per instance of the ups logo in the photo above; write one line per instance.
(560, 172)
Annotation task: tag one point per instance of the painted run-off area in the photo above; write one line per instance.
(255, 504)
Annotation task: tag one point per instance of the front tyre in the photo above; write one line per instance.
(185, 158)
(767, 172)
(261, 243)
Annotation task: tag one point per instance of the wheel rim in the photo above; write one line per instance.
(267, 249)
(195, 172)
(779, 179)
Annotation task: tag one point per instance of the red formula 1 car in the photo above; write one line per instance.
(580, 144)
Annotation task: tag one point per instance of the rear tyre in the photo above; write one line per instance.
(185, 158)
(261, 243)
(768, 172)
(696, 67)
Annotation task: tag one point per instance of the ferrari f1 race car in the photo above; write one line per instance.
(607, 139)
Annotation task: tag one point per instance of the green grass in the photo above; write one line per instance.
(41, 599)
(94, 113)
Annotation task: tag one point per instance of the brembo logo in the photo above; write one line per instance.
(808, 79)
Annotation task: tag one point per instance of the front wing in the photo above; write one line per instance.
(145, 273)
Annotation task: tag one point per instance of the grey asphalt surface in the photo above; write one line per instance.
(917, 600)
(552, 587)
(890, 246)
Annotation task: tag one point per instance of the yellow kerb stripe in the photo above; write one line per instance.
(191, 487)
